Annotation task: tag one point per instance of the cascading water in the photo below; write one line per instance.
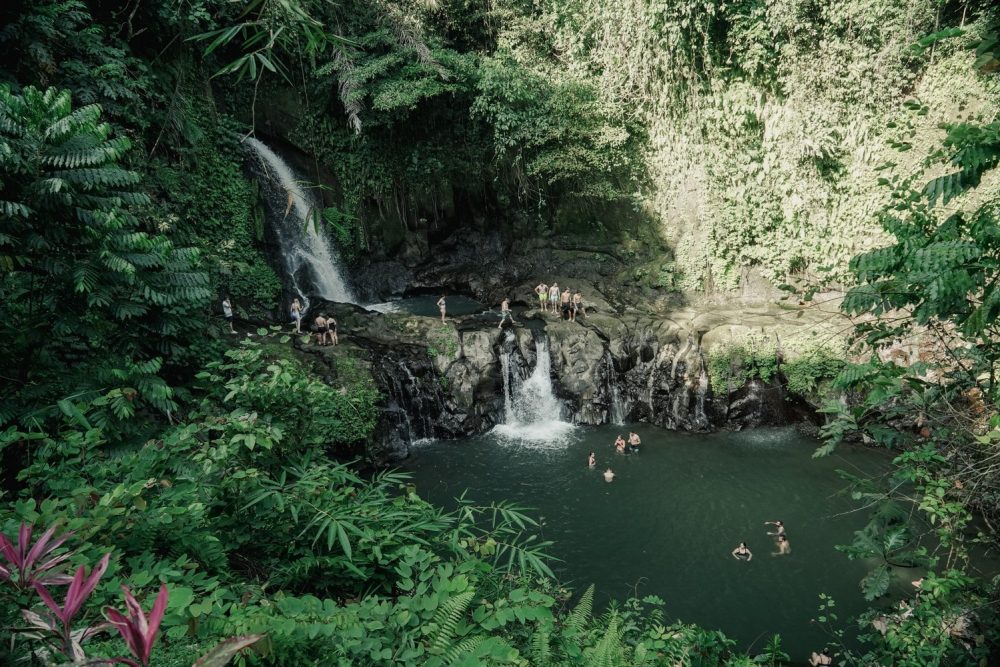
(532, 412)
(312, 265)
(617, 409)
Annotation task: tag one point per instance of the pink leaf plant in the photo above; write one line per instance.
(80, 588)
(138, 630)
(33, 564)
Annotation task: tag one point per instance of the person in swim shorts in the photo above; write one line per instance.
(566, 306)
(542, 290)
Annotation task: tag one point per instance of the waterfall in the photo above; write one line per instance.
(532, 411)
(617, 410)
(310, 262)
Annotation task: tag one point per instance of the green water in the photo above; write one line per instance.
(667, 524)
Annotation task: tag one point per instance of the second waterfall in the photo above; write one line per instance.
(532, 413)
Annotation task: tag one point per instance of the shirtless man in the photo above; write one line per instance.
(578, 305)
(780, 527)
(505, 313)
(554, 297)
(321, 328)
(608, 475)
(633, 439)
(565, 303)
(784, 547)
(542, 290)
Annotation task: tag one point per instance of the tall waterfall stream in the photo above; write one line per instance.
(312, 265)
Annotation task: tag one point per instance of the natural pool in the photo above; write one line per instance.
(668, 522)
(426, 305)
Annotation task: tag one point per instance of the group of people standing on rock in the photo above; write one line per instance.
(323, 328)
(742, 552)
(566, 302)
(621, 447)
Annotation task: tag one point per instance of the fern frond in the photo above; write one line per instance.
(447, 617)
(580, 615)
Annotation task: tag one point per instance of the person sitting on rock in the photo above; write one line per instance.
(608, 475)
(620, 444)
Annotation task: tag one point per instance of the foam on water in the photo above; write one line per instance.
(531, 410)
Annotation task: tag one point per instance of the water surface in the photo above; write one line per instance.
(426, 306)
(668, 522)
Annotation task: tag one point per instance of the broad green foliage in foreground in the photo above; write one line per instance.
(229, 475)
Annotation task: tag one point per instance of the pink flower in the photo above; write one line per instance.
(139, 632)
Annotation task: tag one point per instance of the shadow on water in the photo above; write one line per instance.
(667, 524)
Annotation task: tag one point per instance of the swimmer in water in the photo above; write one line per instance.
(821, 659)
(608, 475)
(591, 460)
(780, 527)
(620, 445)
(742, 552)
(784, 547)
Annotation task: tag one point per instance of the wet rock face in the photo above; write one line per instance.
(448, 380)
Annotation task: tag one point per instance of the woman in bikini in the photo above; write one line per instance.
(297, 315)
(742, 552)
(591, 460)
(442, 306)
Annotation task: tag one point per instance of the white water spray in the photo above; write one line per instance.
(304, 248)
(532, 412)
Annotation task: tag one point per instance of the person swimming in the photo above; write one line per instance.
(633, 441)
(620, 444)
(784, 547)
(591, 460)
(742, 552)
(823, 659)
(608, 475)
(779, 526)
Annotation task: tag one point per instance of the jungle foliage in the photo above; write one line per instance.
(230, 474)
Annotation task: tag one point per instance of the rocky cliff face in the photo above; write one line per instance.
(620, 363)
